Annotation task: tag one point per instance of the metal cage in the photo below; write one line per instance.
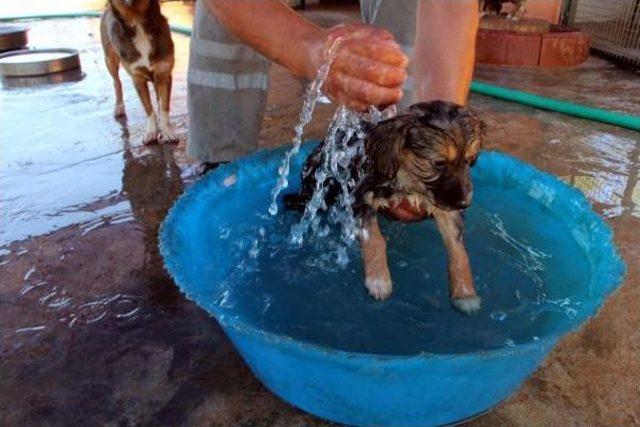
(614, 26)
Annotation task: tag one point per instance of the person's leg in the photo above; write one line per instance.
(445, 50)
(441, 47)
(227, 92)
(398, 17)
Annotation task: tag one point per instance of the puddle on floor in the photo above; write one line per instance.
(68, 171)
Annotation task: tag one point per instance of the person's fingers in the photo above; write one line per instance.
(354, 104)
(367, 69)
(385, 51)
(332, 90)
(368, 31)
(356, 30)
(364, 91)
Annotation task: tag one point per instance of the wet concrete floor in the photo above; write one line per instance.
(92, 331)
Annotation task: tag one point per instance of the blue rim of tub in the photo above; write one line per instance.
(607, 269)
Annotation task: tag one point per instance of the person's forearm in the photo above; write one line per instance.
(284, 36)
(444, 49)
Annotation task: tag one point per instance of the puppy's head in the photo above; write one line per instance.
(429, 150)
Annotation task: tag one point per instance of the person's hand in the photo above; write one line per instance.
(369, 67)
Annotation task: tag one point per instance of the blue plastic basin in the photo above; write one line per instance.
(543, 262)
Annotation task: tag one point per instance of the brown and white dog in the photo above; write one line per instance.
(416, 166)
(494, 7)
(134, 33)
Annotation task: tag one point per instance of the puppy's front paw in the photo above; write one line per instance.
(467, 305)
(118, 111)
(379, 287)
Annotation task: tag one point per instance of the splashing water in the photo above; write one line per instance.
(343, 155)
(527, 258)
(337, 156)
(344, 142)
(310, 99)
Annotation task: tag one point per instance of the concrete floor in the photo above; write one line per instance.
(94, 332)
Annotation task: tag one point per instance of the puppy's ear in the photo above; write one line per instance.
(483, 128)
(382, 147)
(476, 127)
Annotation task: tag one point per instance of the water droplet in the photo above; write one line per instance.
(255, 250)
(499, 316)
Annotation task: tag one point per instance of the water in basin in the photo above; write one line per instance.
(528, 270)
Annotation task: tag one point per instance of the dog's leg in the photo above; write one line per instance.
(374, 256)
(152, 124)
(518, 12)
(113, 65)
(463, 295)
(522, 9)
(483, 6)
(162, 85)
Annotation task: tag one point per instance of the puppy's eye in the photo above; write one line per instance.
(439, 163)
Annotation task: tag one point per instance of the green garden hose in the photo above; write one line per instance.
(569, 108)
(564, 107)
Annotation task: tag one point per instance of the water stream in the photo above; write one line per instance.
(308, 105)
(343, 145)
(342, 158)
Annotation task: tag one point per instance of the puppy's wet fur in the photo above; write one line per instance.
(135, 34)
(415, 166)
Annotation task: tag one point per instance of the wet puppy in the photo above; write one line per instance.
(134, 33)
(416, 166)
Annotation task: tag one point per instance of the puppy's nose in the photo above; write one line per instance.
(463, 204)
